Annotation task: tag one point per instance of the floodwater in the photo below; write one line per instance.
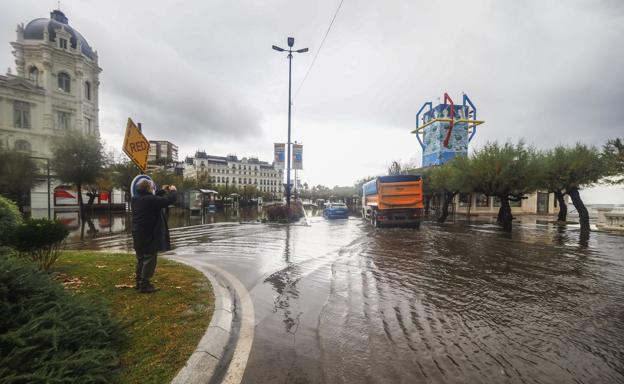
(84, 233)
(341, 302)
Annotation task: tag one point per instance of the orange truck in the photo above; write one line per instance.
(395, 200)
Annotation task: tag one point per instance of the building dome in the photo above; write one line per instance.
(34, 30)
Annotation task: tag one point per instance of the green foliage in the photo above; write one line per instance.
(337, 192)
(17, 175)
(10, 220)
(78, 159)
(164, 177)
(39, 240)
(565, 168)
(51, 336)
(453, 176)
(613, 155)
(395, 168)
(507, 171)
(122, 175)
(281, 214)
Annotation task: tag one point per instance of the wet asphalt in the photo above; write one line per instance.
(340, 302)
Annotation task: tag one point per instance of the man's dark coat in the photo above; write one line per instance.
(149, 224)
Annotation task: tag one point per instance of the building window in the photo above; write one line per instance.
(21, 114)
(87, 90)
(22, 145)
(63, 82)
(63, 43)
(88, 126)
(464, 199)
(63, 120)
(482, 201)
(33, 74)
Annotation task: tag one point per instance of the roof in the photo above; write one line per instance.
(34, 30)
(231, 158)
(208, 191)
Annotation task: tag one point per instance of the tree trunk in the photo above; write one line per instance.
(448, 199)
(427, 204)
(504, 214)
(80, 203)
(563, 208)
(581, 209)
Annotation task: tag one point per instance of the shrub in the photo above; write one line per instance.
(40, 240)
(10, 219)
(279, 213)
(52, 336)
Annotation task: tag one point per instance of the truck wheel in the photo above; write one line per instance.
(417, 225)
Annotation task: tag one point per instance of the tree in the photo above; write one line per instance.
(613, 153)
(122, 174)
(17, 176)
(164, 177)
(395, 168)
(359, 183)
(508, 172)
(553, 165)
(78, 159)
(572, 169)
(450, 179)
(106, 183)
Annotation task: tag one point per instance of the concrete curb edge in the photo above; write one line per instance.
(226, 344)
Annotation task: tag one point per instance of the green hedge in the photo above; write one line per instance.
(48, 335)
(10, 219)
(39, 240)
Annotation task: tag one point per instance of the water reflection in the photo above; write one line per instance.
(284, 282)
(102, 224)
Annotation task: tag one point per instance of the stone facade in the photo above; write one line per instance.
(538, 203)
(161, 150)
(55, 90)
(234, 172)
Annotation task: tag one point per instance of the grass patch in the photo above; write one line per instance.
(164, 327)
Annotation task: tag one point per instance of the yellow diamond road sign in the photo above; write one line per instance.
(136, 146)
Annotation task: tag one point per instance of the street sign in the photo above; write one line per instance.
(136, 146)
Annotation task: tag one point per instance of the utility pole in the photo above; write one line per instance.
(291, 42)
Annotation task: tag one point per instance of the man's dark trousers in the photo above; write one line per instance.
(145, 267)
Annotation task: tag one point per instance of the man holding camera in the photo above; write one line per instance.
(149, 229)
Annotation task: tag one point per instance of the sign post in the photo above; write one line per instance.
(136, 146)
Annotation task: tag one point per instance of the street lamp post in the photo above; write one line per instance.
(291, 42)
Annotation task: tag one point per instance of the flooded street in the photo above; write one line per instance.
(340, 302)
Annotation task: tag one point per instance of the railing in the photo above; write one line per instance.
(610, 220)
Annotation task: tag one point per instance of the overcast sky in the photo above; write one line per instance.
(202, 74)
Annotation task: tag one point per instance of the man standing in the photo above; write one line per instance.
(149, 230)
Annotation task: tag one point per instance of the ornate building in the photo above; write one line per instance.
(55, 88)
(234, 172)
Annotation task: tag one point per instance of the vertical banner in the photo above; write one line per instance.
(297, 156)
(279, 159)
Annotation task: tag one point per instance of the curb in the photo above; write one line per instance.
(222, 352)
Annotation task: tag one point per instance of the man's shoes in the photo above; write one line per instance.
(147, 288)
(137, 285)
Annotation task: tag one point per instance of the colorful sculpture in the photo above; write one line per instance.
(446, 130)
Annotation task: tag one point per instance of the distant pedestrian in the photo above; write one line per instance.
(149, 230)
